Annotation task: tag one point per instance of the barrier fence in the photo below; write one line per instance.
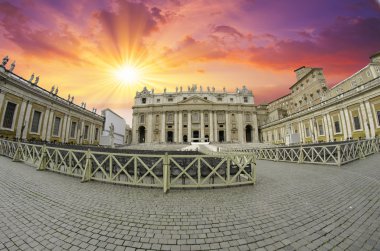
(336, 153)
(149, 170)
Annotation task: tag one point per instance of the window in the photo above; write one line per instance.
(158, 100)
(195, 117)
(170, 99)
(205, 98)
(157, 119)
(307, 132)
(184, 98)
(86, 131)
(9, 115)
(337, 126)
(170, 117)
(143, 100)
(73, 129)
(96, 133)
(220, 99)
(245, 99)
(57, 124)
(368, 73)
(35, 122)
(142, 119)
(378, 117)
(206, 117)
(320, 129)
(231, 99)
(357, 125)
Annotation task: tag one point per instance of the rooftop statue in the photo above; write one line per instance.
(31, 78)
(72, 99)
(224, 89)
(208, 88)
(13, 65)
(152, 90)
(188, 88)
(5, 61)
(176, 89)
(200, 88)
(37, 79)
(56, 91)
(52, 89)
(180, 88)
(213, 89)
(68, 98)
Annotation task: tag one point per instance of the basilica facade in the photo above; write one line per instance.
(194, 115)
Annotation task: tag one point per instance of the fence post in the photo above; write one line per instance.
(253, 168)
(300, 157)
(18, 154)
(43, 163)
(88, 167)
(166, 173)
(339, 160)
(277, 154)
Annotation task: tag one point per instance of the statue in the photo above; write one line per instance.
(52, 89)
(164, 90)
(56, 91)
(213, 89)
(112, 129)
(31, 78)
(188, 88)
(152, 90)
(200, 88)
(208, 88)
(37, 79)
(224, 89)
(72, 99)
(237, 90)
(84, 105)
(5, 61)
(68, 98)
(180, 88)
(13, 65)
(176, 89)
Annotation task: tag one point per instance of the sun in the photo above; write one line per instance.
(128, 74)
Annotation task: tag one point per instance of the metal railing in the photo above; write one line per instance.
(336, 153)
(146, 170)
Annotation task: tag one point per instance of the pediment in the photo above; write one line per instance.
(195, 100)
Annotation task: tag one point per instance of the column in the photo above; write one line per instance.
(240, 128)
(349, 130)
(302, 136)
(312, 130)
(180, 127)
(228, 130)
(27, 118)
(344, 123)
(149, 128)
(255, 128)
(63, 128)
(2, 96)
(211, 125)
(371, 119)
(20, 120)
(202, 126)
(44, 127)
(68, 125)
(330, 126)
(175, 127)
(189, 136)
(326, 128)
(163, 127)
(50, 123)
(216, 137)
(135, 129)
(365, 121)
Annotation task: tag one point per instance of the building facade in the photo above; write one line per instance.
(114, 129)
(29, 112)
(314, 113)
(194, 115)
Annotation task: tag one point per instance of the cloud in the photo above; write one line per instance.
(338, 47)
(227, 30)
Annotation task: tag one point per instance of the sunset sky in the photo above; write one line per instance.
(86, 47)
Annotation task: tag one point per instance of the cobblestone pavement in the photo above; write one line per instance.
(292, 207)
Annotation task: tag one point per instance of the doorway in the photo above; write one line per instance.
(221, 136)
(169, 136)
(248, 134)
(141, 134)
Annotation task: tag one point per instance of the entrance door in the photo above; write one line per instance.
(185, 138)
(141, 134)
(221, 136)
(169, 136)
(195, 135)
(248, 133)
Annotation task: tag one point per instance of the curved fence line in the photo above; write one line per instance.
(146, 170)
(327, 153)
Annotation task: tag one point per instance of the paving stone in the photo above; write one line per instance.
(292, 207)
